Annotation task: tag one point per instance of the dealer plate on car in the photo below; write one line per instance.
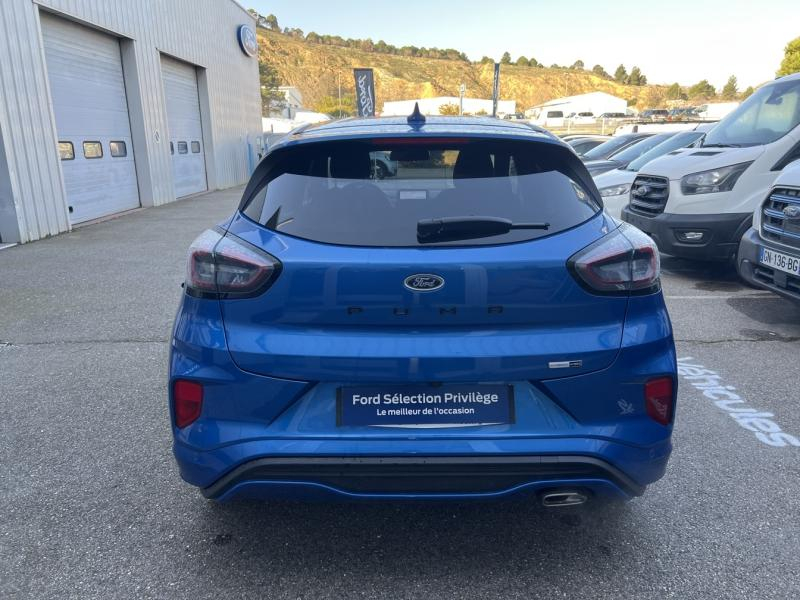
(425, 405)
(779, 260)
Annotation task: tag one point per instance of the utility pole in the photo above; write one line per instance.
(339, 79)
(462, 89)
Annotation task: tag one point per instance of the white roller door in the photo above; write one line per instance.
(185, 128)
(84, 68)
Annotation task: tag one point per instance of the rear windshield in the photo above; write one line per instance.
(608, 148)
(635, 151)
(375, 194)
(679, 140)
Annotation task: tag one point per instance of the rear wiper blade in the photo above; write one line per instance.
(448, 229)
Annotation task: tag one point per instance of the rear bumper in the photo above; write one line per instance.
(720, 241)
(751, 271)
(420, 477)
(420, 469)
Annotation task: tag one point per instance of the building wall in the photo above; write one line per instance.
(201, 32)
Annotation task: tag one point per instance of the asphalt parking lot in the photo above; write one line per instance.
(92, 505)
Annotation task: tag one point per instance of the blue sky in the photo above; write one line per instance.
(675, 40)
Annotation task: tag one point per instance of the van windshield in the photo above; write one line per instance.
(377, 193)
(768, 115)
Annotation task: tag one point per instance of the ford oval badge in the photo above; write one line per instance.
(792, 212)
(423, 282)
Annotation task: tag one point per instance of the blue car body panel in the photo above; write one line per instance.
(271, 365)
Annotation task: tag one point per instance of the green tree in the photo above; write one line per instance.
(702, 90)
(522, 61)
(329, 105)
(674, 92)
(506, 60)
(451, 109)
(578, 64)
(600, 71)
(271, 21)
(487, 59)
(791, 58)
(731, 88)
(621, 75)
(272, 99)
(635, 78)
(747, 93)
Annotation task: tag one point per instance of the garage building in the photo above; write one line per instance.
(111, 105)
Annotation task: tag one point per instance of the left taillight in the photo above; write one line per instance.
(224, 266)
(659, 399)
(624, 261)
(187, 400)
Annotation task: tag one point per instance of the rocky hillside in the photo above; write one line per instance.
(316, 69)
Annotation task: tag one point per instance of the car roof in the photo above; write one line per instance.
(433, 126)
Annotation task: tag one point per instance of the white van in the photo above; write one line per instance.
(548, 118)
(698, 202)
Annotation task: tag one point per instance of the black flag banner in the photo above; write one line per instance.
(365, 92)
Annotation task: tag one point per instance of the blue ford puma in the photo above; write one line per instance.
(468, 326)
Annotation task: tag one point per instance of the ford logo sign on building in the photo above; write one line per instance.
(424, 282)
(248, 40)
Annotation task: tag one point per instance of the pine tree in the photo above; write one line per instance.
(621, 75)
(731, 88)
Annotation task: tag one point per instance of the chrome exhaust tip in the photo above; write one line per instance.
(563, 498)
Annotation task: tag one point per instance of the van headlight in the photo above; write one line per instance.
(715, 180)
(615, 190)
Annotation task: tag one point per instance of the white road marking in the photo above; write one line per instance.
(725, 398)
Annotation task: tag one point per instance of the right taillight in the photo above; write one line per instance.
(224, 266)
(659, 399)
(187, 399)
(624, 261)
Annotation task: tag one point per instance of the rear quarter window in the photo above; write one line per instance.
(375, 193)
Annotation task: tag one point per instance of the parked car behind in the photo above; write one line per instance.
(613, 115)
(698, 203)
(654, 114)
(615, 186)
(582, 144)
(581, 118)
(769, 253)
(342, 336)
(613, 145)
(620, 159)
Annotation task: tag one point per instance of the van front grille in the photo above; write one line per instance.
(776, 225)
(649, 195)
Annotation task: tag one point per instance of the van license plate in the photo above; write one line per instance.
(779, 260)
(425, 405)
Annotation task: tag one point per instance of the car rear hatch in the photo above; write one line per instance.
(361, 298)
